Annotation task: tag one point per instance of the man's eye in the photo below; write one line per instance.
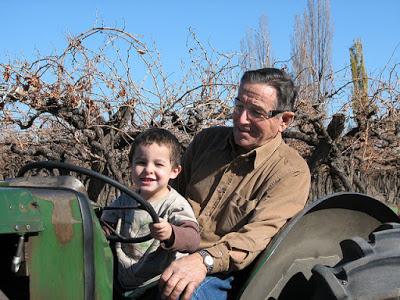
(239, 106)
(238, 103)
(256, 113)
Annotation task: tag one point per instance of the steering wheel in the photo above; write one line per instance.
(143, 204)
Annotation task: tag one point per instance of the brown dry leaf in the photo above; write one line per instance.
(92, 106)
(60, 70)
(35, 82)
(7, 118)
(122, 92)
(74, 101)
(54, 94)
(6, 73)
(110, 84)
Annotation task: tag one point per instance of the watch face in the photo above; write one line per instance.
(208, 260)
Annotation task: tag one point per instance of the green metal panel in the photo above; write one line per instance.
(51, 221)
(19, 212)
(56, 264)
(103, 262)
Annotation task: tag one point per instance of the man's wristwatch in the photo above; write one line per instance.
(208, 260)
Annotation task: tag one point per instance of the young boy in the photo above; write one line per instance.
(154, 159)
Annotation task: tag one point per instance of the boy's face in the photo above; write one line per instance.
(152, 170)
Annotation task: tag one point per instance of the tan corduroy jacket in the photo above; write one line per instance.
(241, 201)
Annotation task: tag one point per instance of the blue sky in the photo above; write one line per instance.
(42, 25)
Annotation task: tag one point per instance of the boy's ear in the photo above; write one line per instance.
(175, 171)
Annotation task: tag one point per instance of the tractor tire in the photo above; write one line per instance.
(368, 270)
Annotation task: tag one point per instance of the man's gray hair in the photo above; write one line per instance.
(278, 79)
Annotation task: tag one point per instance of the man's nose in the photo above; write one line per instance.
(244, 116)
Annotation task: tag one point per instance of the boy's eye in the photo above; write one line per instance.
(140, 162)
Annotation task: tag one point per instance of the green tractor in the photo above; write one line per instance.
(345, 246)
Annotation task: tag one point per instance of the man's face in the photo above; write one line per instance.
(250, 131)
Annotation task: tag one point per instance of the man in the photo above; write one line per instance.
(243, 183)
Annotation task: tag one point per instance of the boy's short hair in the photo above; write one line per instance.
(162, 137)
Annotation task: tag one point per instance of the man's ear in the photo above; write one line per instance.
(287, 119)
(175, 172)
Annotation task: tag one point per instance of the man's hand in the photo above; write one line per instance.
(161, 231)
(182, 277)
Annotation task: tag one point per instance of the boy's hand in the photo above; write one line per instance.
(106, 230)
(161, 231)
(107, 227)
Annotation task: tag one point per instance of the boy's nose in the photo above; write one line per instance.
(148, 169)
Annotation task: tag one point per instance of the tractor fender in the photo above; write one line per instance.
(313, 236)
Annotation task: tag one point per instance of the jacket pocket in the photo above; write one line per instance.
(235, 213)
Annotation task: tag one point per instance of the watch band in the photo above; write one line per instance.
(208, 260)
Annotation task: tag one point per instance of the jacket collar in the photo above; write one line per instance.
(258, 155)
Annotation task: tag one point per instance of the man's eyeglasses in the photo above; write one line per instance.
(254, 113)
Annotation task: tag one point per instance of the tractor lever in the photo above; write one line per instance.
(17, 259)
